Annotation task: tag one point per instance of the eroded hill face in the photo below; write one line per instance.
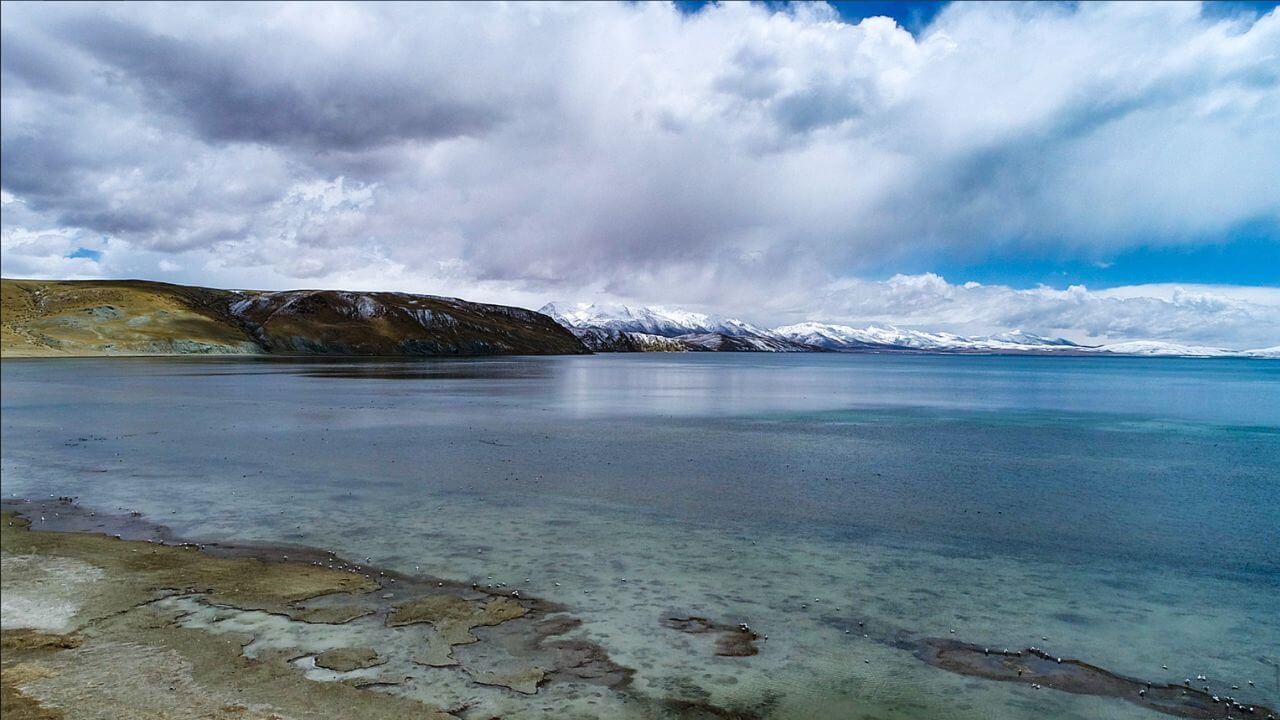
(348, 323)
(128, 317)
(50, 318)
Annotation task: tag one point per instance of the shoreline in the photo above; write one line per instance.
(891, 352)
(158, 583)
(83, 586)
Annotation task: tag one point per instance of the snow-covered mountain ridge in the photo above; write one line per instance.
(653, 320)
(627, 328)
(843, 337)
(622, 328)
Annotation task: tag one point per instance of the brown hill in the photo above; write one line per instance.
(136, 317)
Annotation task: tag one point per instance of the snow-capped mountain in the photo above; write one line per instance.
(623, 328)
(720, 342)
(1159, 348)
(652, 320)
(601, 340)
(1019, 337)
(843, 337)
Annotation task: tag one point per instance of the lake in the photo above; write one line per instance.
(1122, 511)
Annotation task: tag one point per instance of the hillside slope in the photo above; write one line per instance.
(134, 317)
(602, 340)
(42, 318)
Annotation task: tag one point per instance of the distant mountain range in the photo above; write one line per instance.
(134, 317)
(622, 328)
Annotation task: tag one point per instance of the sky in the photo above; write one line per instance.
(1096, 171)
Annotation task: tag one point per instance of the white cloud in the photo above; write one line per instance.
(1240, 317)
(45, 254)
(1183, 292)
(735, 158)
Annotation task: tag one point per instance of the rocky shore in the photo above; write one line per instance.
(112, 616)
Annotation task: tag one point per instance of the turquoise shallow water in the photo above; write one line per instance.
(1128, 510)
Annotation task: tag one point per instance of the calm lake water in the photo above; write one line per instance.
(1122, 511)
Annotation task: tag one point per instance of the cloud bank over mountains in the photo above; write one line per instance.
(1227, 316)
(743, 159)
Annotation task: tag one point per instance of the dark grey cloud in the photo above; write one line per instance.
(53, 174)
(325, 105)
(30, 60)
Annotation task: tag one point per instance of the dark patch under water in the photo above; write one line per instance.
(1038, 668)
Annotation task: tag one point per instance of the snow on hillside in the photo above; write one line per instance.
(843, 337)
(653, 320)
(1158, 348)
(602, 340)
(720, 342)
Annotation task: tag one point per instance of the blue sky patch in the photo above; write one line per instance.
(84, 252)
(913, 16)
